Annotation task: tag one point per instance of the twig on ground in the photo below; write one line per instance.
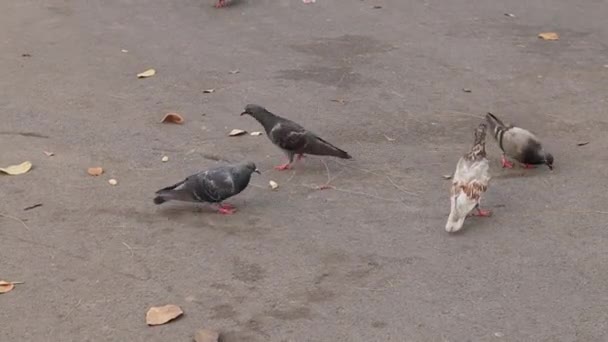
(15, 219)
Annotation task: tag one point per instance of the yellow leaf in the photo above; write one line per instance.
(157, 315)
(147, 73)
(548, 36)
(6, 286)
(17, 169)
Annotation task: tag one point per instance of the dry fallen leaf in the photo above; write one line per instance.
(95, 171)
(113, 181)
(236, 132)
(157, 315)
(582, 143)
(255, 134)
(389, 138)
(49, 154)
(548, 36)
(236, 71)
(147, 73)
(466, 90)
(447, 176)
(172, 118)
(14, 170)
(6, 286)
(273, 185)
(208, 91)
(206, 335)
(510, 15)
(165, 159)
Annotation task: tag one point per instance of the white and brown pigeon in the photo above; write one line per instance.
(211, 186)
(519, 144)
(292, 138)
(469, 183)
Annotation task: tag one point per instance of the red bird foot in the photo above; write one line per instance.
(483, 213)
(221, 3)
(283, 167)
(226, 211)
(506, 164)
(227, 206)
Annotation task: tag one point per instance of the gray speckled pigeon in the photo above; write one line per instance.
(212, 186)
(518, 144)
(292, 138)
(470, 181)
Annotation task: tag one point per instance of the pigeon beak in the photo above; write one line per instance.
(256, 170)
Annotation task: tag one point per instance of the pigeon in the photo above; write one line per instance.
(519, 144)
(469, 183)
(211, 186)
(292, 138)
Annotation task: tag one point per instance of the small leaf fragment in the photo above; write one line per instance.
(548, 36)
(273, 185)
(124, 50)
(447, 176)
(582, 143)
(466, 90)
(255, 134)
(48, 154)
(147, 73)
(113, 181)
(14, 170)
(172, 118)
(510, 15)
(95, 171)
(236, 132)
(377, 7)
(6, 286)
(206, 335)
(208, 91)
(389, 138)
(236, 71)
(157, 315)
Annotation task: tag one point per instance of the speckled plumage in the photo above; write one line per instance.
(470, 181)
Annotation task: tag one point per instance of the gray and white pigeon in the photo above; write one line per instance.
(519, 144)
(292, 138)
(211, 186)
(469, 183)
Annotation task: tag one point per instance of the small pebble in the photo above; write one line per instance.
(165, 159)
(113, 181)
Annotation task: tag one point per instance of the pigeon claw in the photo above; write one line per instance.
(226, 211)
(505, 163)
(227, 206)
(482, 213)
(285, 166)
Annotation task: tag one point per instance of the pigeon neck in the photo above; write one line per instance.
(266, 118)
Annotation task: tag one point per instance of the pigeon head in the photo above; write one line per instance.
(254, 110)
(251, 167)
(549, 160)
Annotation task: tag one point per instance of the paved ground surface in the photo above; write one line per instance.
(369, 261)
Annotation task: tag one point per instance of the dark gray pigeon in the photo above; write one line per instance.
(211, 186)
(519, 144)
(292, 138)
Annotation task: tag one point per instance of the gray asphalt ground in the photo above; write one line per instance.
(366, 261)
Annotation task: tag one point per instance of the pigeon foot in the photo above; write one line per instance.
(226, 211)
(220, 4)
(482, 213)
(300, 156)
(227, 206)
(283, 167)
(505, 163)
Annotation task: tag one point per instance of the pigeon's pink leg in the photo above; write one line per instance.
(483, 213)
(300, 156)
(285, 166)
(226, 211)
(528, 166)
(506, 163)
(220, 3)
(227, 206)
